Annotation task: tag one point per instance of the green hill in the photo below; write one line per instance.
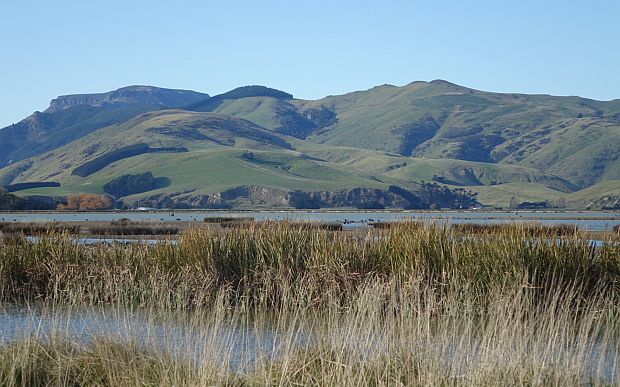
(71, 117)
(257, 146)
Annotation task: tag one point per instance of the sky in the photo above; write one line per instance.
(308, 48)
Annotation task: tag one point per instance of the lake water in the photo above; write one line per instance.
(233, 347)
(236, 345)
(591, 221)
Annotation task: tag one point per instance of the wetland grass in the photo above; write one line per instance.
(124, 227)
(529, 229)
(34, 228)
(227, 219)
(412, 304)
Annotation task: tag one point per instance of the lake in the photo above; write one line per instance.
(585, 220)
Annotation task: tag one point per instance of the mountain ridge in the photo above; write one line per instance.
(435, 131)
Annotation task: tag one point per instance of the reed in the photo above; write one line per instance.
(390, 334)
(412, 304)
(259, 261)
(227, 219)
(38, 228)
(530, 229)
(133, 228)
(330, 226)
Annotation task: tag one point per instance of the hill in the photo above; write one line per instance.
(69, 118)
(263, 145)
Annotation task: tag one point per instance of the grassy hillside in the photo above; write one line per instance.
(71, 117)
(602, 195)
(531, 147)
(501, 194)
(223, 152)
(440, 120)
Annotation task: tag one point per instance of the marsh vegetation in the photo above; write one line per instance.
(410, 304)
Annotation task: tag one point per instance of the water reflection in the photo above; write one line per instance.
(237, 346)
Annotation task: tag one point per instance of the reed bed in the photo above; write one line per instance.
(133, 228)
(258, 261)
(227, 219)
(412, 304)
(530, 229)
(310, 225)
(34, 228)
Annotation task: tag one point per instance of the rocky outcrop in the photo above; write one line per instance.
(143, 95)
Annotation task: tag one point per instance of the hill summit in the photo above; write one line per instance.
(130, 95)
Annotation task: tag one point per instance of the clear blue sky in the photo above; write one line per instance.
(309, 48)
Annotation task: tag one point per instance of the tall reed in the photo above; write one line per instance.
(261, 261)
(412, 304)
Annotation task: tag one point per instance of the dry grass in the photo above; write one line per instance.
(412, 304)
(227, 219)
(133, 228)
(38, 228)
(530, 229)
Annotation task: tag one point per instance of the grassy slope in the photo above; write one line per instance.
(581, 150)
(474, 124)
(209, 167)
(542, 133)
(605, 193)
(537, 131)
(501, 194)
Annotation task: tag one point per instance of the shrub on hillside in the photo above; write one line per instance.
(132, 184)
(10, 202)
(29, 185)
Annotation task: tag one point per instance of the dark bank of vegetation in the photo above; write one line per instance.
(212, 103)
(132, 184)
(29, 185)
(10, 202)
(97, 164)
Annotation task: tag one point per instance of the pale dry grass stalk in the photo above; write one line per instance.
(286, 304)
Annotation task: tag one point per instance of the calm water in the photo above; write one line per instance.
(237, 345)
(237, 348)
(592, 221)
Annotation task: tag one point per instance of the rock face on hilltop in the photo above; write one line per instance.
(131, 95)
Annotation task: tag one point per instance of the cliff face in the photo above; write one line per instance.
(139, 95)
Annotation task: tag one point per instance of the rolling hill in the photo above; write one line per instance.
(256, 146)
